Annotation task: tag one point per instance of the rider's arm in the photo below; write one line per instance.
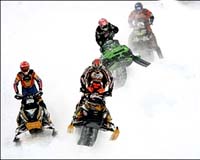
(109, 80)
(16, 83)
(38, 80)
(83, 78)
(111, 85)
(149, 15)
(114, 28)
(98, 37)
(131, 18)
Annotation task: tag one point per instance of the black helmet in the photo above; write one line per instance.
(138, 6)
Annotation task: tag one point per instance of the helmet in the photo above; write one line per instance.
(96, 63)
(103, 22)
(24, 66)
(138, 6)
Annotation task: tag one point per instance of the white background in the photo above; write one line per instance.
(157, 111)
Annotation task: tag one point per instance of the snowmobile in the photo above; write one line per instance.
(143, 42)
(93, 121)
(116, 58)
(31, 117)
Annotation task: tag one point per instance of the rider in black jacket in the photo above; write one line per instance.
(105, 31)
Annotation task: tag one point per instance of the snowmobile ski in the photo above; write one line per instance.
(140, 61)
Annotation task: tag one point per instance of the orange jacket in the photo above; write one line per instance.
(97, 84)
(27, 81)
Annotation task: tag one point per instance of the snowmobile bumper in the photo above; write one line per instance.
(34, 125)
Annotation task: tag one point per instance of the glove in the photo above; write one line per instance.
(82, 89)
(18, 96)
(111, 34)
(151, 20)
(39, 93)
(101, 49)
(107, 93)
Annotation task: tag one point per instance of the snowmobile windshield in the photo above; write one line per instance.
(97, 100)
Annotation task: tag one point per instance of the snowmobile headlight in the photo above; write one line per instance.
(99, 108)
(140, 24)
(135, 39)
(140, 33)
(28, 101)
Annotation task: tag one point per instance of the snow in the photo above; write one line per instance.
(158, 109)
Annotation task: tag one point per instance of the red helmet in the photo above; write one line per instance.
(24, 66)
(96, 63)
(103, 22)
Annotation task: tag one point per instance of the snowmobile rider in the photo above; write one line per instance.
(141, 13)
(105, 31)
(27, 77)
(95, 79)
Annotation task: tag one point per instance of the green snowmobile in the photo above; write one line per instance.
(116, 58)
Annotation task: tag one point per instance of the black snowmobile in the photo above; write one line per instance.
(93, 121)
(31, 117)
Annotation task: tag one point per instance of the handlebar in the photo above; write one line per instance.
(19, 96)
(104, 94)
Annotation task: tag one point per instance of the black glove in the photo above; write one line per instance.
(18, 96)
(151, 19)
(101, 49)
(39, 93)
(107, 93)
(82, 89)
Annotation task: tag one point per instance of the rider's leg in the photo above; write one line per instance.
(107, 117)
(46, 113)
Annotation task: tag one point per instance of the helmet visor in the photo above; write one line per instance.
(24, 69)
(138, 8)
(105, 27)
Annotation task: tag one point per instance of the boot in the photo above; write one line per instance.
(78, 115)
(19, 120)
(46, 120)
(108, 124)
(42, 104)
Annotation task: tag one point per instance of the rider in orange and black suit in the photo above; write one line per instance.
(27, 77)
(95, 79)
